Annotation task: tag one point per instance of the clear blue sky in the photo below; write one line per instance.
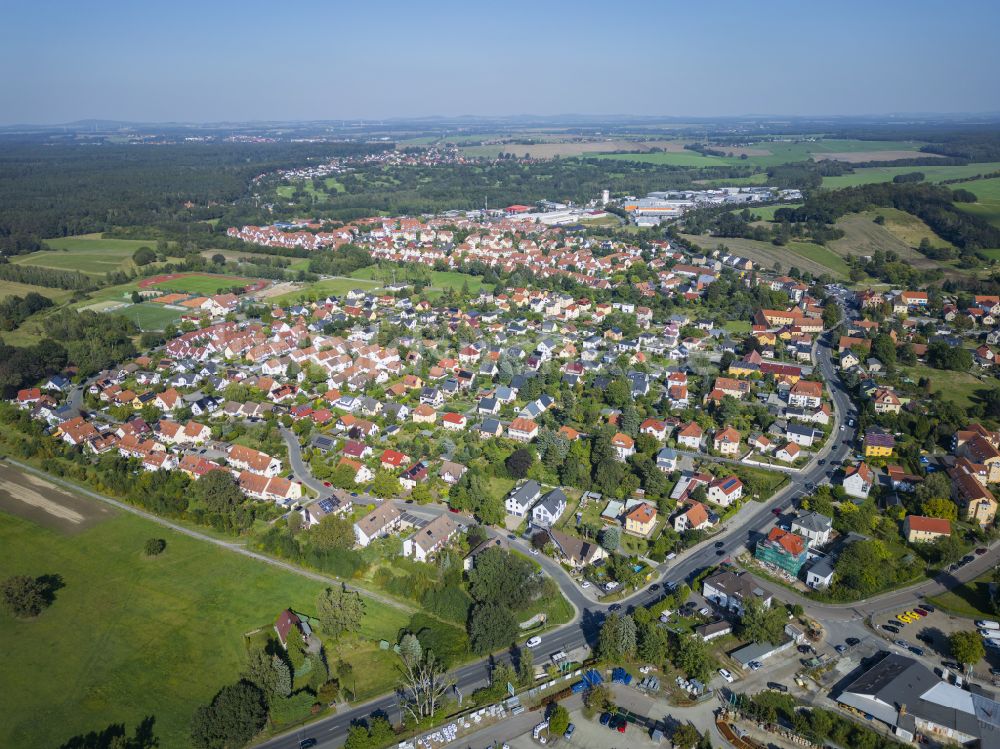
(218, 60)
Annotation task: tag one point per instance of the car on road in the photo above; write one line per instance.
(719, 544)
(534, 551)
(306, 743)
(981, 550)
(585, 584)
(569, 732)
(724, 673)
(534, 642)
(822, 462)
(776, 686)
(915, 650)
(954, 665)
(654, 587)
(615, 607)
(720, 552)
(852, 641)
(511, 537)
(327, 483)
(776, 511)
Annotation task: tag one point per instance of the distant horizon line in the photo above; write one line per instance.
(888, 118)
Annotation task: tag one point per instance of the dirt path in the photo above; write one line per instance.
(31, 474)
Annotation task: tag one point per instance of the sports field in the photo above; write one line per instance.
(130, 636)
(149, 316)
(869, 175)
(87, 253)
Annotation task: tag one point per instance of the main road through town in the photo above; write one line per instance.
(753, 521)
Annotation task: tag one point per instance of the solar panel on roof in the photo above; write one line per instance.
(326, 505)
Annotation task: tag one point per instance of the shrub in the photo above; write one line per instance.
(154, 546)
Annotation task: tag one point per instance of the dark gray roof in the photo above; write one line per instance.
(813, 521)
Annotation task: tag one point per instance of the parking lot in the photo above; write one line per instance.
(929, 634)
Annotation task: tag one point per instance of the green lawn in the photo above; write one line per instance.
(766, 212)
(737, 327)
(149, 316)
(805, 255)
(868, 175)
(971, 599)
(203, 284)
(86, 253)
(130, 636)
(959, 387)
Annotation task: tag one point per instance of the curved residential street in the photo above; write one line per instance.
(741, 533)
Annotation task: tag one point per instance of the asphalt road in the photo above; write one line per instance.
(840, 620)
(332, 731)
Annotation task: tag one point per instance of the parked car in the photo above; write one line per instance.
(852, 641)
(724, 673)
(605, 718)
(776, 686)
(534, 642)
(840, 648)
(569, 731)
(890, 628)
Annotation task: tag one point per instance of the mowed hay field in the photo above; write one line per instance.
(868, 175)
(900, 234)
(988, 193)
(805, 255)
(130, 636)
(564, 149)
(782, 152)
(86, 253)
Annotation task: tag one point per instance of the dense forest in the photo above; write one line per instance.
(55, 190)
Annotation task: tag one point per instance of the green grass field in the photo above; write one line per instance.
(805, 255)
(766, 212)
(86, 253)
(988, 193)
(149, 316)
(778, 153)
(933, 174)
(130, 636)
(959, 387)
(12, 288)
(205, 285)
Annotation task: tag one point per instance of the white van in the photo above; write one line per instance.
(987, 624)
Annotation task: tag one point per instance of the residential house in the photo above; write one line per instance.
(429, 540)
(520, 500)
(725, 491)
(548, 510)
(577, 552)
(695, 517)
(858, 481)
(806, 394)
(727, 441)
(522, 430)
(733, 590)
(380, 522)
(783, 549)
(623, 445)
(690, 436)
(814, 527)
(641, 520)
(920, 530)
